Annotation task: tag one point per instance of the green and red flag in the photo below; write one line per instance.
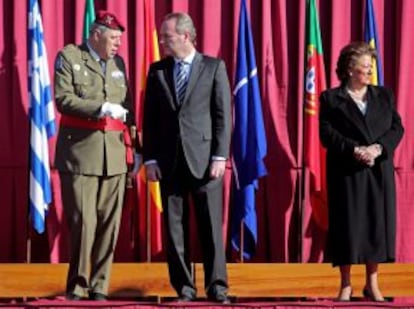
(315, 83)
(88, 18)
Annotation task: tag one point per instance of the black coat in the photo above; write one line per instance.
(361, 199)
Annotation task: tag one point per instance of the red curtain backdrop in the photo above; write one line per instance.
(286, 231)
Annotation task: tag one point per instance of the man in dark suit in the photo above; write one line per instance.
(186, 139)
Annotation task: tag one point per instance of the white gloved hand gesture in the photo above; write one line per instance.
(115, 111)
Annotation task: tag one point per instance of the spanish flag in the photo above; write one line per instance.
(150, 195)
(151, 55)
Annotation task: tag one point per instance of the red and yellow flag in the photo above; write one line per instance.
(151, 54)
(150, 194)
(314, 154)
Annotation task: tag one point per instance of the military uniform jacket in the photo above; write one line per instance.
(81, 87)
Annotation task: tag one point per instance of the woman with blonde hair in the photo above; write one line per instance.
(360, 129)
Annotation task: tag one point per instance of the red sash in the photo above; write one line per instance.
(103, 124)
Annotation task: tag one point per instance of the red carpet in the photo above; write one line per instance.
(283, 304)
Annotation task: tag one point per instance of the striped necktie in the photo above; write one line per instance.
(181, 81)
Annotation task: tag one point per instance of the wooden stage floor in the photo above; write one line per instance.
(268, 285)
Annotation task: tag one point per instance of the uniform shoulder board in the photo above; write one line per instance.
(70, 48)
(59, 62)
(70, 51)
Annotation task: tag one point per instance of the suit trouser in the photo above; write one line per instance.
(93, 207)
(207, 197)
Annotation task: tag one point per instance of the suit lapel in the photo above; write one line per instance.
(89, 61)
(373, 106)
(196, 69)
(376, 111)
(169, 74)
(351, 111)
(166, 78)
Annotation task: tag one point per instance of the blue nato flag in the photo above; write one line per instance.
(42, 119)
(249, 140)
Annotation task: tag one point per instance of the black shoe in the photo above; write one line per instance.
(344, 296)
(185, 299)
(72, 296)
(220, 298)
(97, 296)
(370, 296)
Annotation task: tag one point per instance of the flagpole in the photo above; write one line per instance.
(130, 186)
(29, 217)
(302, 170)
(29, 240)
(132, 219)
(148, 212)
(241, 241)
(301, 208)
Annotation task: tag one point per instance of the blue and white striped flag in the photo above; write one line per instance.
(42, 119)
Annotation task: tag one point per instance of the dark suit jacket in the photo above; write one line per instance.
(202, 124)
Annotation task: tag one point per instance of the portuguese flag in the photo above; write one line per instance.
(88, 18)
(315, 83)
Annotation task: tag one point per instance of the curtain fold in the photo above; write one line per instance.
(286, 232)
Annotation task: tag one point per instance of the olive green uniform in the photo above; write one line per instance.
(91, 163)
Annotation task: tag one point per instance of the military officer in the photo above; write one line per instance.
(92, 152)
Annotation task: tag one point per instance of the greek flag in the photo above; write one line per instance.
(42, 119)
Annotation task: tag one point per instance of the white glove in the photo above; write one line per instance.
(137, 164)
(115, 111)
